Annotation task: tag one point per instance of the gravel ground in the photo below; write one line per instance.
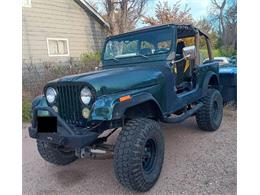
(196, 162)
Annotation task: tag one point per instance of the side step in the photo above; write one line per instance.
(183, 116)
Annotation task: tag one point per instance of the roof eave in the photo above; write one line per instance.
(87, 6)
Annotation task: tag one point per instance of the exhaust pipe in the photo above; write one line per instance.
(97, 151)
(102, 152)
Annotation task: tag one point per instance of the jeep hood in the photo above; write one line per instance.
(117, 79)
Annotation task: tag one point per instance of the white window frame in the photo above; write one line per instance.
(58, 55)
(27, 5)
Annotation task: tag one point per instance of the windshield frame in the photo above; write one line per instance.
(139, 58)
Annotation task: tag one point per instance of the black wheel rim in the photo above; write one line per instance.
(149, 155)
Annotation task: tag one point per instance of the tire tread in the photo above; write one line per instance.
(203, 115)
(126, 159)
(50, 153)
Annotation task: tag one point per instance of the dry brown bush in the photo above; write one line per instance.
(36, 75)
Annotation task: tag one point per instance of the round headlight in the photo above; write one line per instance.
(51, 95)
(85, 95)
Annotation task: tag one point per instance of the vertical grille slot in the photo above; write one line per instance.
(69, 103)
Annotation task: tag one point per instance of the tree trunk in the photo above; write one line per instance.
(123, 19)
(110, 15)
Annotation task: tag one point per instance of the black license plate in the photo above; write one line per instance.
(47, 124)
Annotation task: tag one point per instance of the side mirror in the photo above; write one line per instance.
(189, 52)
(99, 67)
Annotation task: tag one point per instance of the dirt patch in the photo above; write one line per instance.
(196, 162)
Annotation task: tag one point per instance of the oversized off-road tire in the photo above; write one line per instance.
(139, 154)
(55, 154)
(209, 117)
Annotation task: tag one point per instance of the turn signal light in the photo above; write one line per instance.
(85, 113)
(125, 98)
(55, 108)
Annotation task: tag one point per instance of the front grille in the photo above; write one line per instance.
(69, 104)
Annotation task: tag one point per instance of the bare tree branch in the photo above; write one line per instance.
(122, 15)
(166, 14)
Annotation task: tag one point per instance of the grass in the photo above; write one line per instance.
(27, 110)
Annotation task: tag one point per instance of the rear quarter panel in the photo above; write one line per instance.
(204, 69)
(228, 83)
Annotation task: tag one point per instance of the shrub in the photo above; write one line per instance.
(228, 52)
(26, 110)
(204, 53)
(217, 53)
(36, 75)
(89, 57)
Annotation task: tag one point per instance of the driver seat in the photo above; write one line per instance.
(179, 65)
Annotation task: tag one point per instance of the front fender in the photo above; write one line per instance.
(109, 107)
(39, 101)
(102, 109)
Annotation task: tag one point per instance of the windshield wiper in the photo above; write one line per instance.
(142, 55)
(115, 59)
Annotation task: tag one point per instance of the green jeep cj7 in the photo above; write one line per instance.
(146, 76)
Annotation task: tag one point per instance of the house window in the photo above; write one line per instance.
(27, 3)
(58, 47)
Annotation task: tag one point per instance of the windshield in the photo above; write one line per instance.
(142, 44)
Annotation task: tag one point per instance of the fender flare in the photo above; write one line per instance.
(39, 101)
(121, 107)
(207, 79)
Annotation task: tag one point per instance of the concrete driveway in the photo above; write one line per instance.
(196, 162)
